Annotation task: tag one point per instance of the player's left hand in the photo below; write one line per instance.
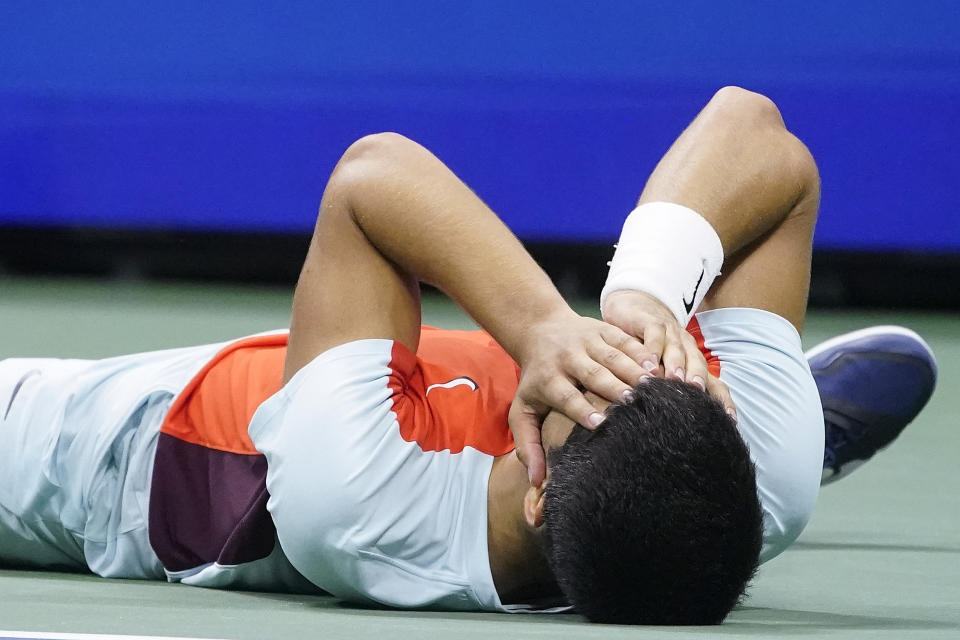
(559, 354)
(673, 350)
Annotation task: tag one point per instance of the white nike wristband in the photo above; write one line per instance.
(668, 251)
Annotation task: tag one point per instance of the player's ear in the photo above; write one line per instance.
(533, 505)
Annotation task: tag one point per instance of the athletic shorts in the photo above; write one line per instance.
(77, 442)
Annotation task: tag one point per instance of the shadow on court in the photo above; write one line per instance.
(786, 621)
(871, 546)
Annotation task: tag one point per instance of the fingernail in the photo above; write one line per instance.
(627, 395)
(697, 380)
(595, 419)
(649, 365)
(679, 372)
(645, 379)
(530, 475)
(732, 414)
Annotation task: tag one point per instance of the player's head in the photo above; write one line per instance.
(654, 517)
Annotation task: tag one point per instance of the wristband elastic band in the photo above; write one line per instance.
(668, 251)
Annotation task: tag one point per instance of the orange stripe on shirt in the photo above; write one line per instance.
(215, 408)
(455, 392)
(713, 362)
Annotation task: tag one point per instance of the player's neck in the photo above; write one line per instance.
(519, 568)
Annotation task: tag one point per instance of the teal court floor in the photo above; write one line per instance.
(881, 558)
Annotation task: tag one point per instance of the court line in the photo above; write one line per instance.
(37, 635)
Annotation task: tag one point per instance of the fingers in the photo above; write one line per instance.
(675, 354)
(698, 374)
(719, 390)
(696, 365)
(654, 340)
(618, 361)
(622, 342)
(525, 427)
(571, 402)
(665, 343)
(525, 417)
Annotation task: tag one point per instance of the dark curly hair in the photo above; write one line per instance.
(654, 517)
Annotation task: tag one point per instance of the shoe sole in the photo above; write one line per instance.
(869, 333)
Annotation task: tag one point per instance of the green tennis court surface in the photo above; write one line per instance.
(881, 558)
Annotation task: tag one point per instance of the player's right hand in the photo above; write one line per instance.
(672, 352)
(561, 356)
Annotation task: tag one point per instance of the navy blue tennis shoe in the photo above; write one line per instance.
(872, 384)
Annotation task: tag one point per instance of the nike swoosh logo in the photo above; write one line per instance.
(689, 305)
(456, 382)
(16, 389)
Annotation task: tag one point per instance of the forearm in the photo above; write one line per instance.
(420, 216)
(736, 191)
(391, 215)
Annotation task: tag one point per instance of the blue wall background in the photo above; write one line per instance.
(230, 116)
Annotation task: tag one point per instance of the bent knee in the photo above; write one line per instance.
(742, 113)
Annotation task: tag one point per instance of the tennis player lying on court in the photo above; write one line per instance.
(371, 458)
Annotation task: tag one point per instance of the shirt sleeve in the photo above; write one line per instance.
(779, 414)
(359, 511)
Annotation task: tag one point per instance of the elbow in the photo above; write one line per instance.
(749, 115)
(366, 163)
(744, 106)
(377, 149)
(804, 168)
